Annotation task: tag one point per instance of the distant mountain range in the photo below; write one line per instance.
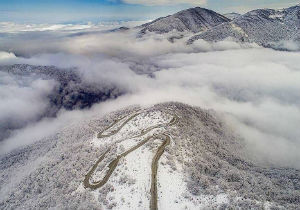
(262, 26)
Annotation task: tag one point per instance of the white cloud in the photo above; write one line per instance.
(257, 89)
(287, 45)
(6, 55)
(11, 27)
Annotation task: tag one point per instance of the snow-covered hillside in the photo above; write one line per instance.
(265, 27)
(168, 156)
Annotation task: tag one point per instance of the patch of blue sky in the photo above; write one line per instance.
(75, 11)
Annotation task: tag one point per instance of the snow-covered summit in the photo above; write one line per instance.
(194, 20)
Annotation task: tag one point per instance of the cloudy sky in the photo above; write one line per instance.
(57, 11)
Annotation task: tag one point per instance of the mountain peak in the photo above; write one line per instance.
(193, 19)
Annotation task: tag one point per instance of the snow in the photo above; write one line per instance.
(132, 128)
(130, 183)
(186, 178)
(19, 174)
(132, 178)
(193, 20)
(174, 194)
(171, 188)
(238, 29)
(136, 166)
(116, 126)
(265, 27)
(278, 15)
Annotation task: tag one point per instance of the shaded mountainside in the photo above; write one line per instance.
(205, 160)
(262, 26)
(72, 91)
(193, 20)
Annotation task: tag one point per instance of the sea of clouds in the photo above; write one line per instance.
(256, 89)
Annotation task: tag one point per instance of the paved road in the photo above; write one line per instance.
(154, 167)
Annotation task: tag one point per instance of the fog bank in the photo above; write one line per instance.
(257, 90)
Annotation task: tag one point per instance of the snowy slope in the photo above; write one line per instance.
(263, 26)
(203, 165)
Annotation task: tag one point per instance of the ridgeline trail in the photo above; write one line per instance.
(114, 163)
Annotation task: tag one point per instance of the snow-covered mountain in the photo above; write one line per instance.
(192, 20)
(164, 156)
(263, 26)
(266, 27)
(168, 156)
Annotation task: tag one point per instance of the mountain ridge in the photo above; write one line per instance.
(262, 26)
(265, 27)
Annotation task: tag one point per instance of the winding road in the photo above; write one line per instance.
(114, 163)
(154, 167)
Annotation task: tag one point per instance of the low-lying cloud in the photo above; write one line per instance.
(23, 100)
(4, 56)
(256, 89)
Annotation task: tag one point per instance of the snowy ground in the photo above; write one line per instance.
(174, 194)
(132, 128)
(129, 185)
(132, 178)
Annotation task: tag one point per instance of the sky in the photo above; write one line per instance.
(69, 11)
